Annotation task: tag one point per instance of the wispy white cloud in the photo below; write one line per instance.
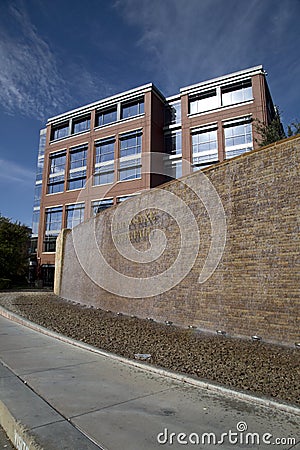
(195, 40)
(30, 81)
(34, 81)
(87, 85)
(15, 173)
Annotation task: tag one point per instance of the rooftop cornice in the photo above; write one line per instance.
(173, 98)
(230, 78)
(108, 101)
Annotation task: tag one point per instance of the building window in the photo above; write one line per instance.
(104, 162)
(104, 175)
(204, 148)
(100, 205)
(35, 223)
(77, 171)
(39, 168)
(173, 143)
(78, 157)
(105, 151)
(53, 220)
(130, 169)
(236, 93)
(56, 185)
(32, 251)
(60, 131)
(177, 168)
(42, 142)
(41, 153)
(130, 144)
(130, 155)
(50, 244)
(173, 113)
(74, 215)
(106, 116)
(203, 102)
(57, 172)
(76, 180)
(133, 108)
(238, 137)
(173, 168)
(81, 124)
(53, 227)
(173, 160)
(123, 198)
(37, 195)
(48, 275)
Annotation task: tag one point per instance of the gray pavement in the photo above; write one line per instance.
(61, 396)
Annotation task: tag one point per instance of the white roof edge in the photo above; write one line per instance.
(173, 98)
(230, 77)
(107, 100)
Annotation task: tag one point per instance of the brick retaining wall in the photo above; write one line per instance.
(255, 288)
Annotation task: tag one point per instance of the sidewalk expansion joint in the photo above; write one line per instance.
(121, 403)
(67, 366)
(62, 420)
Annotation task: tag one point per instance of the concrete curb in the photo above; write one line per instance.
(212, 387)
(18, 434)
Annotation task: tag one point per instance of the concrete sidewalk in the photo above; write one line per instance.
(59, 396)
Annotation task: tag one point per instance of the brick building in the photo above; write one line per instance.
(100, 154)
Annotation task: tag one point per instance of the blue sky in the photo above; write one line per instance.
(56, 55)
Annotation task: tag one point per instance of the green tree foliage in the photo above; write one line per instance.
(14, 241)
(293, 129)
(274, 131)
(270, 133)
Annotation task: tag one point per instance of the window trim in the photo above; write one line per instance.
(104, 141)
(107, 164)
(169, 134)
(78, 178)
(202, 96)
(55, 127)
(86, 117)
(135, 101)
(97, 166)
(80, 206)
(241, 120)
(51, 233)
(93, 214)
(230, 88)
(101, 111)
(53, 175)
(168, 108)
(128, 197)
(128, 135)
(126, 159)
(205, 153)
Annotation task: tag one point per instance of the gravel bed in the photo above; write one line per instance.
(253, 367)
